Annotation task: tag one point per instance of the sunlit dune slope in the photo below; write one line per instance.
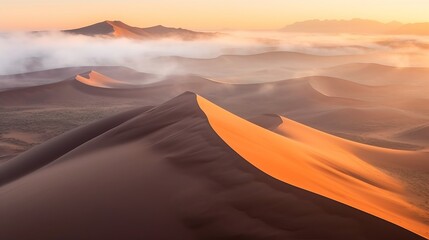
(96, 79)
(139, 173)
(319, 165)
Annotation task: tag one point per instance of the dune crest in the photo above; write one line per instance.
(96, 79)
(322, 167)
(136, 174)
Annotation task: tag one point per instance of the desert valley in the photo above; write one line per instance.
(318, 130)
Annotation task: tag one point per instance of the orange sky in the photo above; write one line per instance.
(201, 14)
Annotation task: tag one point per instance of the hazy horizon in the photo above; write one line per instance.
(202, 15)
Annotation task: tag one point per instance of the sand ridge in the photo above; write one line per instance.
(335, 173)
(96, 79)
(167, 167)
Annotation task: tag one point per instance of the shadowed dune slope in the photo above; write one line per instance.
(379, 75)
(420, 133)
(233, 64)
(326, 103)
(59, 74)
(166, 174)
(40, 156)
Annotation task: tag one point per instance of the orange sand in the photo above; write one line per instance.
(120, 31)
(316, 163)
(96, 79)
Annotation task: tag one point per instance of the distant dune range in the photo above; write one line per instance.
(185, 165)
(120, 29)
(280, 65)
(365, 102)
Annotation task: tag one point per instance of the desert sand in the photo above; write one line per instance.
(177, 166)
(382, 115)
(339, 174)
(316, 131)
(96, 79)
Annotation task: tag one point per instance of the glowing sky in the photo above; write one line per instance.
(201, 14)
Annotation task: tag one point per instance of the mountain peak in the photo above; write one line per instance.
(117, 28)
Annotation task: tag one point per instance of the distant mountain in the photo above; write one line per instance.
(358, 26)
(120, 29)
(413, 29)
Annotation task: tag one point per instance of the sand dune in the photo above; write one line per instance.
(262, 61)
(236, 68)
(40, 156)
(393, 95)
(336, 171)
(415, 134)
(96, 79)
(371, 114)
(38, 78)
(122, 30)
(168, 167)
(80, 92)
(379, 75)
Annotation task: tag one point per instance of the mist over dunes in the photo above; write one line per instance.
(113, 43)
(318, 131)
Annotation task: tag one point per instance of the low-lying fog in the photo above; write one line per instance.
(24, 52)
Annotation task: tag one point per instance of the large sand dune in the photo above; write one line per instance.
(336, 171)
(141, 173)
(122, 30)
(96, 79)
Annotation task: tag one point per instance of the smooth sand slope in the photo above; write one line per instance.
(96, 79)
(371, 114)
(378, 75)
(166, 174)
(316, 163)
(38, 78)
(237, 68)
(234, 65)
